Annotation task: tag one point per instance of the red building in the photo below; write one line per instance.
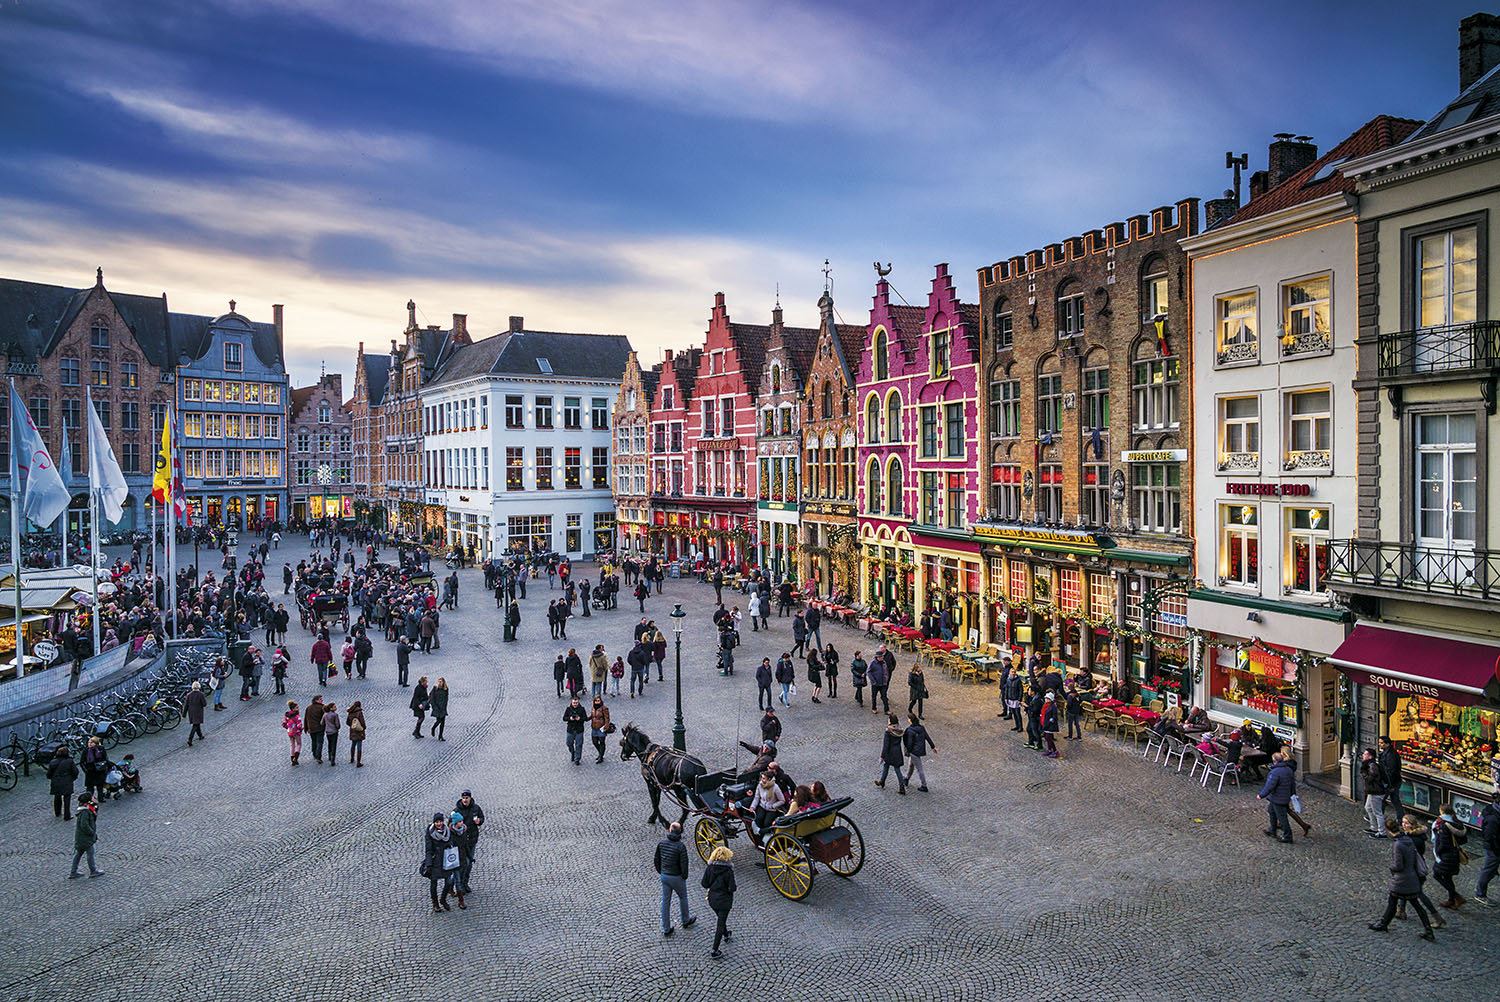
(721, 436)
(674, 518)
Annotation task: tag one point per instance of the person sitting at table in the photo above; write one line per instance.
(1197, 719)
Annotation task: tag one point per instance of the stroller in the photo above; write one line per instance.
(123, 777)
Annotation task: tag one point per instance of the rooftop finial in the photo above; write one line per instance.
(99, 276)
(882, 271)
(231, 306)
(827, 281)
(778, 295)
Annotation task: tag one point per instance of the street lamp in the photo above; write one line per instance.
(679, 732)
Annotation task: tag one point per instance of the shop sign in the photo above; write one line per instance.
(777, 505)
(46, 650)
(1076, 539)
(436, 499)
(1154, 456)
(463, 498)
(1171, 619)
(1465, 810)
(1271, 490)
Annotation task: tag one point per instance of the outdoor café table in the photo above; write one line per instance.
(1109, 704)
(1140, 713)
(988, 666)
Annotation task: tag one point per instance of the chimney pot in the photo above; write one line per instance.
(517, 324)
(460, 324)
(1288, 155)
(1478, 47)
(1260, 183)
(276, 309)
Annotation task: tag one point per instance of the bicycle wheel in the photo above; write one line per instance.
(171, 716)
(7, 775)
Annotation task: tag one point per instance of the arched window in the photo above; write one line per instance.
(872, 486)
(895, 488)
(893, 430)
(872, 420)
(1002, 325)
(1070, 301)
(1154, 288)
(775, 379)
(828, 398)
(882, 363)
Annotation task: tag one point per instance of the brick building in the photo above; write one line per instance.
(1087, 360)
(778, 444)
(632, 431)
(371, 379)
(674, 517)
(320, 451)
(828, 557)
(55, 338)
(410, 507)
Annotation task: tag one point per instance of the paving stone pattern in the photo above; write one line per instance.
(1097, 875)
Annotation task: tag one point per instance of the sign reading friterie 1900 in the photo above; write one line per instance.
(1271, 490)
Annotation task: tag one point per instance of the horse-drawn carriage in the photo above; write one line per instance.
(792, 845)
(324, 609)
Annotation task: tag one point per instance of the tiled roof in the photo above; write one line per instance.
(515, 353)
(377, 377)
(801, 343)
(907, 321)
(471, 360)
(686, 364)
(301, 396)
(34, 317)
(852, 343)
(752, 341)
(969, 313)
(650, 380)
(1479, 101)
(1321, 177)
(192, 336)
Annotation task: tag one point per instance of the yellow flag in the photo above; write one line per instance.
(161, 487)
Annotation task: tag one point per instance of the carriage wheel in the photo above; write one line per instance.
(708, 835)
(849, 865)
(789, 866)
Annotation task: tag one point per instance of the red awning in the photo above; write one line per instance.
(1416, 664)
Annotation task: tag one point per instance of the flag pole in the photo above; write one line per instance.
(170, 515)
(93, 519)
(15, 535)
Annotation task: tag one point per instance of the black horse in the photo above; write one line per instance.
(663, 769)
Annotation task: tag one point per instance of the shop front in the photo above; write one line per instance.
(1437, 699)
(951, 584)
(604, 532)
(777, 531)
(889, 578)
(434, 520)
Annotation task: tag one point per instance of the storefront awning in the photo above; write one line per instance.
(1417, 664)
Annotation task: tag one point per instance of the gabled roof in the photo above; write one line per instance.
(907, 321)
(801, 345)
(650, 380)
(521, 353)
(1322, 177)
(34, 317)
(377, 377)
(686, 365)
(470, 360)
(193, 336)
(751, 340)
(1480, 100)
(301, 397)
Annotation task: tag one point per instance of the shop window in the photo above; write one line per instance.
(1307, 534)
(1020, 582)
(1239, 545)
(1441, 739)
(1239, 433)
(1069, 590)
(1309, 438)
(1252, 679)
(1155, 393)
(1238, 326)
(1158, 500)
(1049, 493)
(955, 506)
(1101, 596)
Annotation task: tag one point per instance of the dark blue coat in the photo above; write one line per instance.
(1281, 783)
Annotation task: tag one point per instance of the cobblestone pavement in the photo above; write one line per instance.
(236, 877)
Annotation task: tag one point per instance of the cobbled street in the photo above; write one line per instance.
(1100, 876)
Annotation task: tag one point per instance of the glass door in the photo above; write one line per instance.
(1447, 480)
(1447, 284)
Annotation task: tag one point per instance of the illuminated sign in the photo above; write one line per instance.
(1154, 456)
(1271, 490)
(1018, 536)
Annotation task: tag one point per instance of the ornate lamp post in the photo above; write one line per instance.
(679, 732)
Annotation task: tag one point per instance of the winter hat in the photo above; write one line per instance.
(455, 817)
(437, 816)
(1051, 696)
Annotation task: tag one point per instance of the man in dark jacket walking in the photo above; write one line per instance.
(1407, 870)
(85, 835)
(672, 864)
(1373, 780)
(1390, 770)
(193, 708)
(917, 742)
(881, 667)
(770, 726)
(786, 674)
(1489, 836)
(1281, 786)
(473, 816)
(574, 717)
(403, 661)
(764, 676)
(62, 774)
(799, 635)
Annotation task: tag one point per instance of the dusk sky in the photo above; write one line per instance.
(607, 166)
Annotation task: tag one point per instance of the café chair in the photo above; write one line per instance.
(1178, 748)
(1214, 765)
(1129, 727)
(1157, 706)
(1155, 744)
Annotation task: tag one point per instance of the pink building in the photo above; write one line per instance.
(918, 434)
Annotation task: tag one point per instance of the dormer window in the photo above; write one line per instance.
(544, 365)
(233, 356)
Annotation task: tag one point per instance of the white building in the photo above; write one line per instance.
(517, 441)
(1276, 443)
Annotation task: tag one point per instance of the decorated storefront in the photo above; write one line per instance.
(889, 575)
(1437, 699)
(950, 581)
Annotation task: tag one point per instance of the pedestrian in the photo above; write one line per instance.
(438, 699)
(1281, 785)
(764, 676)
(321, 657)
(86, 835)
(192, 709)
(574, 716)
(347, 654)
(799, 635)
(473, 817)
(1373, 780)
(753, 607)
(786, 676)
(859, 676)
(1489, 834)
(616, 673)
(598, 669)
(559, 672)
(95, 763)
(1448, 838)
(672, 865)
(355, 718)
(1390, 771)
(658, 649)
(280, 661)
(639, 659)
(770, 727)
(917, 742)
(331, 724)
(217, 678)
(718, 878)
(891, 753)
(881, 667)
(62, 774)
(441, 863)
(815, 673)
(814, 620)
(403, 660)
(1407, 868)
(1013, 688)
(291, 722)
(419, 705)
(575, 672)
(428, 629)
(599, 726)
(312, 723)
(718, 581)
(641, 591)
(916, 686)
(1049, 723)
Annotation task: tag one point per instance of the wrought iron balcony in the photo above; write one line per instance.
(1414, 567)
(1440, 349)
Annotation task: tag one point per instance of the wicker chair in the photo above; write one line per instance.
(1129, 727)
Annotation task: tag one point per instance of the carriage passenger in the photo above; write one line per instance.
(768, 801)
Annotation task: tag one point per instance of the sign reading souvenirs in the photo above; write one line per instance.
(1154, 456)
(1074, 539)
(1271, 490)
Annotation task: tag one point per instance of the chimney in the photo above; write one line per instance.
(668, 356)
(517, 324)
(776, 317)
(276, 322)
(1217, 211)
(1289, 154)
(1478, 47)
(1259, 184)
(460, 326)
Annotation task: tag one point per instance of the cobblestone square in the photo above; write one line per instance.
(1099, 875)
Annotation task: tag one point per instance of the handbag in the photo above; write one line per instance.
(611, 728)
(1296, 804)
(450, 858)
(1463, 856)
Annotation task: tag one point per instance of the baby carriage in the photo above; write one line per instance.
(123, 777)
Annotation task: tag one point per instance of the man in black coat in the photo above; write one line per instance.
(770, 726)
(1390, 769)
(473, 818)
(403, 660)
(62, 774)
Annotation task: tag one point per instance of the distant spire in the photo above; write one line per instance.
(322, 370)
(778, 295)
(98, 276)
(827, 279)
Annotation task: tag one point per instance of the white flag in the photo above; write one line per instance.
(105, 475)
(44, 496)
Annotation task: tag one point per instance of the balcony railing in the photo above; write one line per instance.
(1440, 349)
(1414, 567)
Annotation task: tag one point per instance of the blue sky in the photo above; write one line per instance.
(606, 165)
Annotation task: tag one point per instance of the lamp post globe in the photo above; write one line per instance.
(679, 731)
